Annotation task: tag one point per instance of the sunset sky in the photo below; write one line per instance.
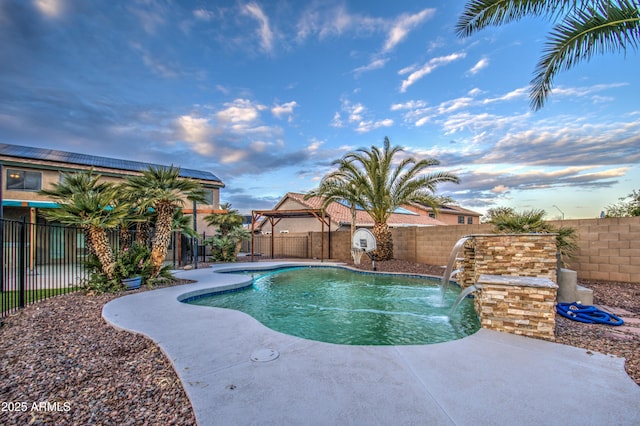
(265, 94)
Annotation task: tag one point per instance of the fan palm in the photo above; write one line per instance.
(86, 202)
(382, 188)
(163, 190)
(226, 221)
(585, 27)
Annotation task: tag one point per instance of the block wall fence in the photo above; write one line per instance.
(608, 249)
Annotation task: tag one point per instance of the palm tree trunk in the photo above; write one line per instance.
(161, 238)
(142, 233)
(384, 241)
(100, 245)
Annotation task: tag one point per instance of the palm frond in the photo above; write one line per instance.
(479, 14)
(601, 29)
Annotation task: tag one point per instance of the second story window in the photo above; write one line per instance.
(470, 220)
(208, 197)
(20, 180)
(461, 220)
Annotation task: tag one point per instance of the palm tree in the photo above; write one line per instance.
(225, 245)
(335, 187)
(226, 221)
(382, 188)
(163, 190)
(585, 27)
(508, 221)
(89, 204)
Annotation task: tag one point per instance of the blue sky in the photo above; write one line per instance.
(265, 94)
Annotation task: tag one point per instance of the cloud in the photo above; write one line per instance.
(284, 109)
(265, 34)
(373, 65)
(427, 69)
(50, 8)
(410, 105)
(204, 14)
(197, 132)
(403, 25)
(334, 22)
(150, 15)
(358, 116)
(240, 112)
(367, 126)
(480, 65)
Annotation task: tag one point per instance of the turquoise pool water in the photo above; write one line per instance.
(336, 305)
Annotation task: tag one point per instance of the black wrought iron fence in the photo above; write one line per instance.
(39, 261)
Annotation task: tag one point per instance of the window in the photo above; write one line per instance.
(432, 215)
(20, 180)
(461, 220)
(208, 197)
(470, 220)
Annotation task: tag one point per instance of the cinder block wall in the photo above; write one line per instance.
(608, 249)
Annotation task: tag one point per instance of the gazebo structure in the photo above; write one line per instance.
(274, 216)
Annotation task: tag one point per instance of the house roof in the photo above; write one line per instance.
(451, 209)
(341, 214)
(31, 153)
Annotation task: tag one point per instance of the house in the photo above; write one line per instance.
(338, 216)
(26, 170)
(448, 214)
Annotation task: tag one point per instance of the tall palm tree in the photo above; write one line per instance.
(585, 27)
(163, 190)
(336, 187)
(383, 186)
(91, 205)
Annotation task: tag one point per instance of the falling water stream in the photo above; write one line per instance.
(453, 257)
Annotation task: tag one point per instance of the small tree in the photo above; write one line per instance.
(626, 207)
(225, 245)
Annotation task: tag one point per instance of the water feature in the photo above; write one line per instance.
(463, 294)
(453, 258)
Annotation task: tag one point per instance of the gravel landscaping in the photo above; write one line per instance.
(62, 364)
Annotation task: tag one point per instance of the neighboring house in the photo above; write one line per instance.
(339, 215)
(448, 214)
(26, 170)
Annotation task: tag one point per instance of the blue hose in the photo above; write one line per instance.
(587, 314)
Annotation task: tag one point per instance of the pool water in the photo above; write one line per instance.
(336, 305)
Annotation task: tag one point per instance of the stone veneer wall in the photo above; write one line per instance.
(525, 255)
(517, 305)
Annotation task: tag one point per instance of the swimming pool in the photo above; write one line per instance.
(337, 305)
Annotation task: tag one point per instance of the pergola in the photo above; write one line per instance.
(275, 216)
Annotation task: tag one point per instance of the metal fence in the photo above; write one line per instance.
(44, 260)
(39, 261)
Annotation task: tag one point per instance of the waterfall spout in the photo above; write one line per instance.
(452, 260)
(464, 293)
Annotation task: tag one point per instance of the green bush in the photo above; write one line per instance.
(130, 262)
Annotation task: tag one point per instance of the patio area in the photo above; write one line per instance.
(486, 378)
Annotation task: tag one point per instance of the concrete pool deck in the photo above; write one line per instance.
(488, 378)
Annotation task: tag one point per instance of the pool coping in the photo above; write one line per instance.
(486, 378)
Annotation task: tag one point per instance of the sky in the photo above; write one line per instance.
(266, 94)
